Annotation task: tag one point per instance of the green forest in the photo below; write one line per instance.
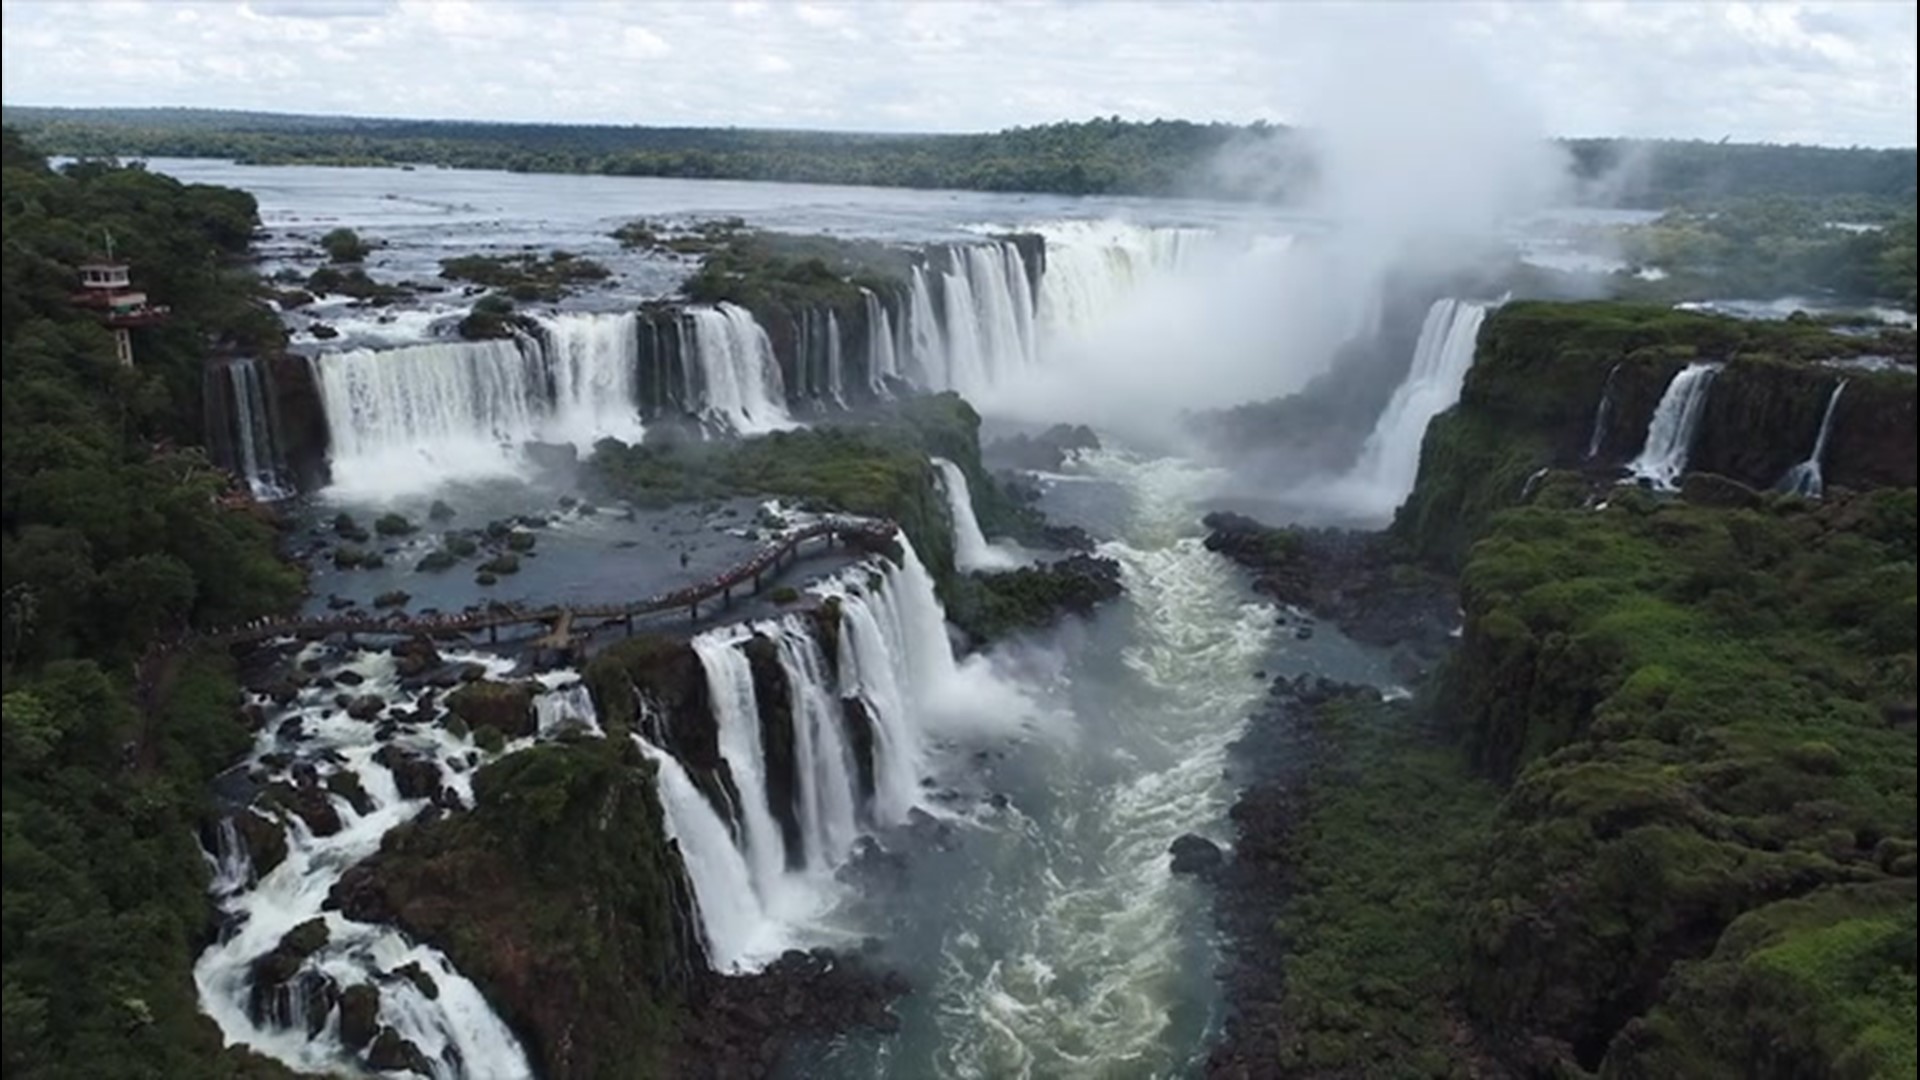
(1102, 156)
(116, 541)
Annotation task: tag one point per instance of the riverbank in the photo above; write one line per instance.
(1653, 815)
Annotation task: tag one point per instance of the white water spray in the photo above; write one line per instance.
(1675, 425)
(1807, 478)
(971, 551)
(739, 379)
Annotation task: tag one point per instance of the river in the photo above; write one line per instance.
(1048, 939)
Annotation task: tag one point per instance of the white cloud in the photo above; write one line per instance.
(1834, 72)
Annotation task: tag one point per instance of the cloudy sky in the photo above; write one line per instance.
(1837, 73)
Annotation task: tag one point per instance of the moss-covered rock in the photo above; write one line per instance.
(575, 943)
(1532, 399)
(505, 707)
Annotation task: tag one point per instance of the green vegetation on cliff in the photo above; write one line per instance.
(1533, 394)
(1698, 712)
(1375, 936)
(114, 539)
(877, 468)
(574, 942)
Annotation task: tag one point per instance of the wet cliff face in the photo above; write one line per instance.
(303, 419)
(1532, 400)
(655, 685)
(580, 943)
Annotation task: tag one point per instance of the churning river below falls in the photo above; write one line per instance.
(1050, 940)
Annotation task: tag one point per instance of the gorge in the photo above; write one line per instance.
(901, 805)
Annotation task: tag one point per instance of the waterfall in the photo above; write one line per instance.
(739, 379)
(835, 384)
(966, 368)
(893, 658)
(883, 364)
(736, 713)
(1390, 459)
(1805, 478)
(970, 548)
(403, 418)
(428, 412)
(731, 919)
(923, 334)
(257, 455)
(565, 709)
(296, 1022)
(824, 763)
(593, 362)
(1092, 267)
(1675, 424)
(987, 326)
(1602, 412)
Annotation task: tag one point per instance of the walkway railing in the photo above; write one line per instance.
(561, 617)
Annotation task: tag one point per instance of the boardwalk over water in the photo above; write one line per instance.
(561, 620)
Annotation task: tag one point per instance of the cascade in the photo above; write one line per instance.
(564, 709)
(894, 659)
(1806, 478)
(882, 357)
(923, 338)
(592, 363)
(835, 385)
(971, 551)
(739, 379)
(986, 327)
(453, 410)
(966, 368)
(823, 761)
(257, 455)
(731, 919)
(1390, 459)
(1601, 414)
(736, 714)
(1675, 423)
(1092, 266)
(458, 1034)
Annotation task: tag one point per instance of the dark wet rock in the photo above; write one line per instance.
(336, 602)
(746, 1021)
(1195, 855)
(392, 1052)
(266, 841)
(269, 975)
(415, 777)
(308, 802)
(436, 561)
(349, 677)
(417, 975)
(990, 606)
(873, 868)
(393, 598)
(415, 657)
(366, 707)
(359, 1015)
(440, 511)
(505, 707)
(346, 784)
(1350, 578)
(1045, 452)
